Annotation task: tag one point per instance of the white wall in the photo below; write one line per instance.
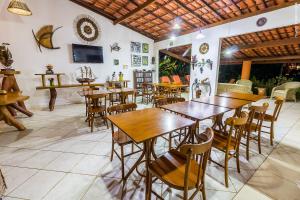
(277, 18)
(17, 31)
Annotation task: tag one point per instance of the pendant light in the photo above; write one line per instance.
(19, 7)
(177, 20)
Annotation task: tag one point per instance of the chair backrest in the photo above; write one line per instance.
(165, 79)
(112, 110)
(96, 100)
(171, 100)
(176, 79)
(160, 102)
(129, 107)
(291, 85)
(236, 130)
(199, 153)
(278, 106)
(245, 82)
(259, 112)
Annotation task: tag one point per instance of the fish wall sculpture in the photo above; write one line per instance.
(115, 47)
(44, 37)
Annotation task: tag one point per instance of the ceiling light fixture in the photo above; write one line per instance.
(229, 51)
(19, 7)
(200, 35)
(173, 37)
(177, 20)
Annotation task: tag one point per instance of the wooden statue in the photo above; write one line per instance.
(9, 84)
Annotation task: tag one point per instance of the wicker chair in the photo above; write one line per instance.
(287, 91)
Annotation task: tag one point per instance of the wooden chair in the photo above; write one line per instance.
(185, 169)
(229, 141)
(165, 79)
(272, 118)
(171, 100)
(114, 98)
(254, 125)
(157, 102)
(96, 104)
(120, 138)
(147, 93)
(85, 98)
(128, 97)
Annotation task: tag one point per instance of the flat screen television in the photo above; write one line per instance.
(87, 53)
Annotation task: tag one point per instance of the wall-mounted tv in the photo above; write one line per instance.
(87, 53)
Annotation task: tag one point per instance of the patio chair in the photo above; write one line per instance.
(165, 79)
(176, 80)
(287, 91)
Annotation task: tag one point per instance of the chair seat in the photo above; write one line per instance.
(220, 142)
(170, 168)
(121, 138)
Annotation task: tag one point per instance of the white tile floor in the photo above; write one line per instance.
(58, 158)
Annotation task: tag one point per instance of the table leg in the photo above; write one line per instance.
(218, 123)
(147, 147)
(53, 95)
(9, 119)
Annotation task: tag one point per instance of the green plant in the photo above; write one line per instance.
(170, 66)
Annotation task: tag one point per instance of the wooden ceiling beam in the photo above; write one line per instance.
(134, 11)
(211, 9)
(178, 57)
(172, 13)
(263, 59)
(90, 6)
(269, 44)
(192, 12)
(280, 6)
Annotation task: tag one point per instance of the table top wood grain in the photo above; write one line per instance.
(223, 101)
(242, 96)
(196, 110)
(11, 98)
(143, 125)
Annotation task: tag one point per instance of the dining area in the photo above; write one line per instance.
(187, 134)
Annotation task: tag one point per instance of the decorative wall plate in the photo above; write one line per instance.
(261, 21)
(87, 29)
(204, 47)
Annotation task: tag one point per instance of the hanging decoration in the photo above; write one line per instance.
(19, 7)
(204, 47)
(261, 21)
(201, 64)
(87, 29)
(44, 37)
(115, 47)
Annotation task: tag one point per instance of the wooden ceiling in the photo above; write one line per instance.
(155, 18)
(279, 45)
(182, 53)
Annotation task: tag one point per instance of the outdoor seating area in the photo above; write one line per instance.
(149, 99)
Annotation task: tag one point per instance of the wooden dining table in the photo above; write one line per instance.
(222, 101)
(5, 101)
(85, 93)
(143, 126)
(242, 96)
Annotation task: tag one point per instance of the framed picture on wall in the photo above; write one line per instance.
(135, 47)
(145, 48)
(136, 60)
(116, 62)
(145, 61)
